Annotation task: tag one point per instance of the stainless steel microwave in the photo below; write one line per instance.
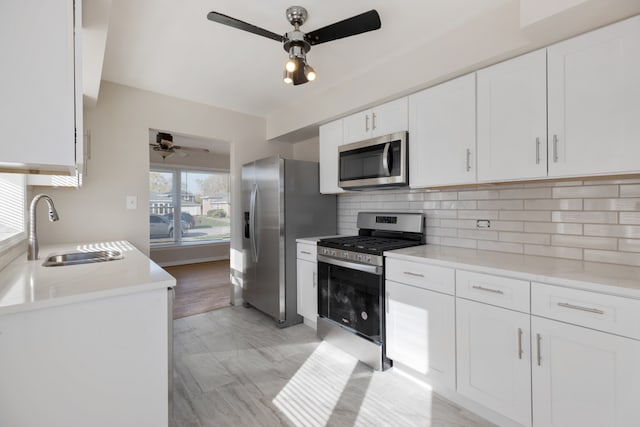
(374, 163)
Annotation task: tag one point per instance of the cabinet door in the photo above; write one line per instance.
(330, 140)
(594, 102)
(37, 87)
(307, 289)
(493, 355)
(583, 377)
(390, 117)
(420, 331)
(512, 119)
(357, 127)
(442, 134)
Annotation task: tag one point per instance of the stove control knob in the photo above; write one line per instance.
(359, 257)
(369, 259)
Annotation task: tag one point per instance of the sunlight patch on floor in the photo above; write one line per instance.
(309, 398)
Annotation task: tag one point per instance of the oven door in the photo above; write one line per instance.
(350, 295)
(377, 162)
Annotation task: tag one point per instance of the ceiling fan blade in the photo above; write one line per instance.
(200, 150)
(241, 25)
(367, 21)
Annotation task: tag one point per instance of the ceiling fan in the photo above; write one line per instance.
(164, 145)
(298, 43)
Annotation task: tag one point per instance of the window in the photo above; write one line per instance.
(12, 208)
(203, 204)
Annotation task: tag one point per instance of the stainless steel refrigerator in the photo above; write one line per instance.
(281, 201)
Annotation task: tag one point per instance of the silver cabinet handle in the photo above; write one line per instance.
(386, 302)
(520, 343)
(482, 288)
(555, 148)
(577, 307)
(539, 352)
(315, 279)
(537, 150)
(373, 121)
(408, 273)
(366, 123)
(468, 160)
(305, 252)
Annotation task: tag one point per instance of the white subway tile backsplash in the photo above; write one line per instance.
(553, 251)
(608, 243)
(488, 245)
(478, 195)
(629, 218)
(590, 220)
(553, 205)
(540, 239)
(612, 257)
(553, 228)
(612, 204)
(525, 215)
(585, 217)
(526, 193)
(586, 191)
(501, 204)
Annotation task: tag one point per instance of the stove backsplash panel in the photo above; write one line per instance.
(594, 220)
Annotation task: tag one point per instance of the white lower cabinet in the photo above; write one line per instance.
(493, 358)
(307, 283)
(582, 377)
(420, 328)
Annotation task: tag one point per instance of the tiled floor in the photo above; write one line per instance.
(234, 367)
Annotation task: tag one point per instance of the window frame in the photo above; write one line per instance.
(177, 170)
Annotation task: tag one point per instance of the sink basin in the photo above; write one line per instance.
(74, 258)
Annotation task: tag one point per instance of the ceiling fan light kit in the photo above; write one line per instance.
(297, 44)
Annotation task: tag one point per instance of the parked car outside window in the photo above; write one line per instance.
(160, 226)
(188, 219)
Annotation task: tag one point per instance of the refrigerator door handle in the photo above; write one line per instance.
(252, 223)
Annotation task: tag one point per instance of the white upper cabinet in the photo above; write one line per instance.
(381, 120)
(442, 134)
(330, 140)
(594, 102)
(41, 100)
(512, 119)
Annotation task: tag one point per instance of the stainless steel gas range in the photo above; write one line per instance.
(351, 303)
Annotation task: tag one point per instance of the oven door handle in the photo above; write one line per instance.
(372, 269)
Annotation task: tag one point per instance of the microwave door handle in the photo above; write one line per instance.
(385, 159)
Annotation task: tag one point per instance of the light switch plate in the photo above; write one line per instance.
(132, 202)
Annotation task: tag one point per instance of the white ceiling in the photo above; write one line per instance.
(170, 47)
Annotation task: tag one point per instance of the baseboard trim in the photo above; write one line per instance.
(192, 261)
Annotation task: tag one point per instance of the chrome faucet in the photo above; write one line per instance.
(32, 253)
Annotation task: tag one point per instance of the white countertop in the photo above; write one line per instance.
(599, 277)
(313, 240)
(27, 285)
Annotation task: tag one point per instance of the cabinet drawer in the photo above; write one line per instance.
(440, 279)
(307, 252)
(501, 291)
(608, 313)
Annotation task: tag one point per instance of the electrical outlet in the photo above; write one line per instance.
(483, 223)
(132, 202)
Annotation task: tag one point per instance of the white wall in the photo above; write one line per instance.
(119, 164)
(308, 150)
(492, 37)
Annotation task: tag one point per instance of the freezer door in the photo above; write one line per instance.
(266, 292)
(249, 264)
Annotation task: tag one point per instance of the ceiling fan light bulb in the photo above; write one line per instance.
(287, 77)
(310, 73)
(290, 65)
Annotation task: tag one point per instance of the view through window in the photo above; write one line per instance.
(203, 204)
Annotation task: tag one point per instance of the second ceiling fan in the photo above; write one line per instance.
(298, 43)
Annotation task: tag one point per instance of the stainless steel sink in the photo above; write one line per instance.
(73, 258)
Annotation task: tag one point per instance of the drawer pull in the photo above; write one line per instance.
(408, 273)
(577, 307)
(305, 252)
(482, 288)
(520, 343)
(539, 351)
